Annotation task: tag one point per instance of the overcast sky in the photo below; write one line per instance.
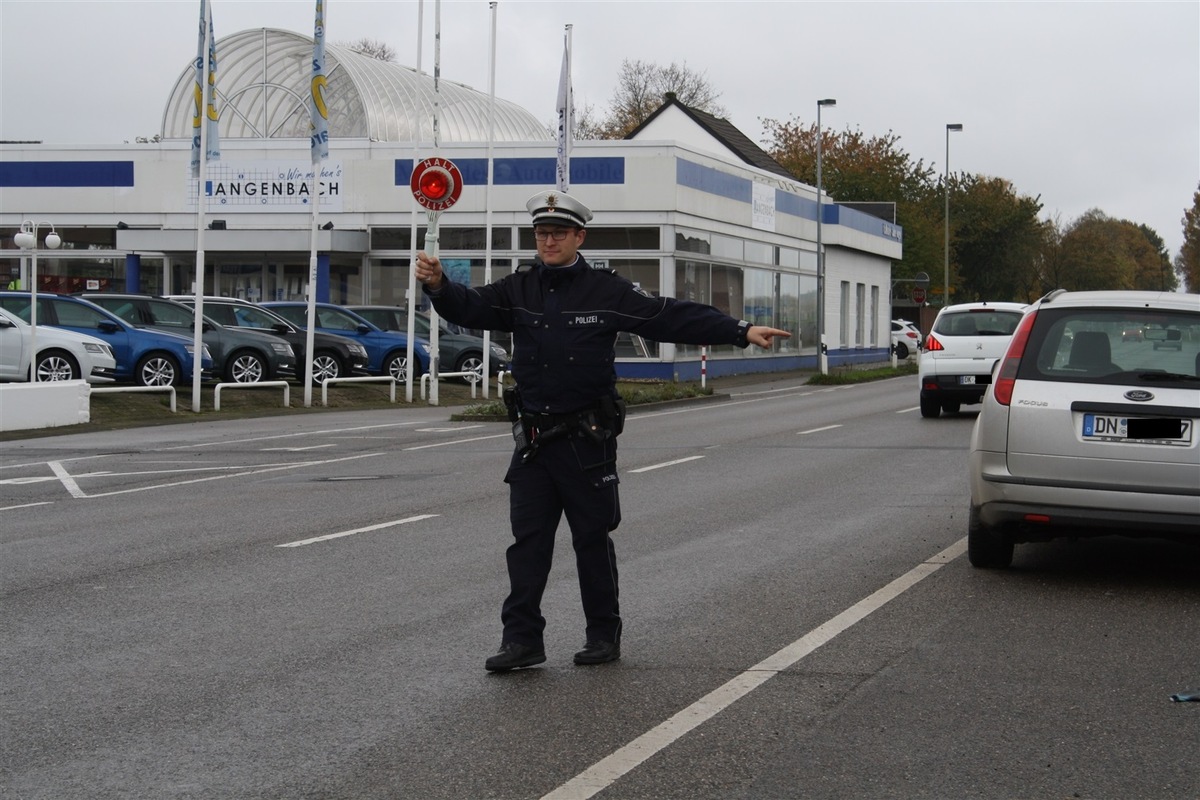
(1085, 104)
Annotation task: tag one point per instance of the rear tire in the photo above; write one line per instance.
(901, 351)
(951, 408)
(930, 408)
(987, 547)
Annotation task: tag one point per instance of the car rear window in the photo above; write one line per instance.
(983, 322)
(1126, 347)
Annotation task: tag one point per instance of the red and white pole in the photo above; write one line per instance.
(703, 366)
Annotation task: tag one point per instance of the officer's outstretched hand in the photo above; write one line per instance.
(760, 335)
(429, 270)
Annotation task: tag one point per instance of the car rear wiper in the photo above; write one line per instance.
(1167, 376)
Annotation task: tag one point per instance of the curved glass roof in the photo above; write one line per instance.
(262, 93)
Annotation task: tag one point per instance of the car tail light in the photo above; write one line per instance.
(1006, 378)
(932, 344)
(911, 335)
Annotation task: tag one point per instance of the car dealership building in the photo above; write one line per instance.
(686, 207)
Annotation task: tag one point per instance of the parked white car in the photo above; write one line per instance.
(1086, 431)
(966, 340)
(62, 355)
(906, 338)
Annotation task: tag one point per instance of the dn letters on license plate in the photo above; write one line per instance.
(1151, 429)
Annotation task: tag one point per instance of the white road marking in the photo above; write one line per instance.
(296, 449)
(447, 430)
(27, 505)
(666, 464)
(332, 431)
(367, 529)
(907, 410)
(460, 441)
(605, 772)
(65, 477)
(817, 430)
(260, 471)
(31, 479)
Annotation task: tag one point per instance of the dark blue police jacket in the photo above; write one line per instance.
(565, 322)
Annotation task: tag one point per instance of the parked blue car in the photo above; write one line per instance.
(387, 350)
(145, 357)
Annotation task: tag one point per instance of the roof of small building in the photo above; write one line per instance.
(724, 132)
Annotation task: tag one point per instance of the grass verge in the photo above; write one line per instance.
(843, 375)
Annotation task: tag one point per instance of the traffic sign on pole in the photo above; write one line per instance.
(918, 294)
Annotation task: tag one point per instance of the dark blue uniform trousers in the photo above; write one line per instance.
(577, 476)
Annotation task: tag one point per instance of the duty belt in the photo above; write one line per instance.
(544, 422)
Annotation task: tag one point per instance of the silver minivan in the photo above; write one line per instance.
(1086, 431)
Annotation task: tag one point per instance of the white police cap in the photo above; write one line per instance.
(554, 207)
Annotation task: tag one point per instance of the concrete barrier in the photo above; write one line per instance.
(28, 406)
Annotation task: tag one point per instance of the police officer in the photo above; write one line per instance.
(564, 317)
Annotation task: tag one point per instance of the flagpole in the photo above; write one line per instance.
(202, 104)
(487, 200)
(320, 151)
(415, 129)
(431, 231)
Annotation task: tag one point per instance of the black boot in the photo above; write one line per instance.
(514, 656)
(598, 652)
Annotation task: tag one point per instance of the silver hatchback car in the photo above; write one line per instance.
(1086, 432)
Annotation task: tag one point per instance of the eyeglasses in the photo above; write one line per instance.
(558, 234)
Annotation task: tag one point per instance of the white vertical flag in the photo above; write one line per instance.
(320, 113)
(205, 92)
(566, 116)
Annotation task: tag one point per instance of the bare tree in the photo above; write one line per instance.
(371, 47)
(641, 89)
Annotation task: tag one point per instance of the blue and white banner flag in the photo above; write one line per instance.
(320, 112)
(205, 97)
(566, 116)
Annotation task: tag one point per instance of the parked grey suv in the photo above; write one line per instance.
(333, 356)
(238, 356)
(1087, 432)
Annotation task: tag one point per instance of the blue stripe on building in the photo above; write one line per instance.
(713, 181)
(527, 171)
(66, 174)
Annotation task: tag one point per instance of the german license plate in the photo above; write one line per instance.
(1144, 430)
(966, 379)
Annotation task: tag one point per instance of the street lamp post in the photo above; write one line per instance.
(27, 239)
(822, 352)
(953, 126)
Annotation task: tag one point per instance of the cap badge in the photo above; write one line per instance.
(551, 200)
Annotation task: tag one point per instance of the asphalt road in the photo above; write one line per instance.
(301, 607)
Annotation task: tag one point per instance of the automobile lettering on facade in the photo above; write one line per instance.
(1138, 395)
